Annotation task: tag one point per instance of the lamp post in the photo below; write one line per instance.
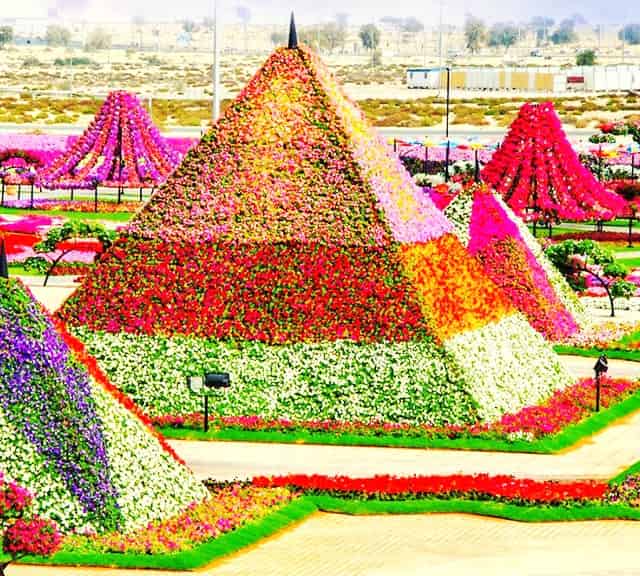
(601, 367)
(207, 385)
(216, 64)
(448, 151)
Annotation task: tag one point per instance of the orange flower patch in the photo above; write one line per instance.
(455, 293)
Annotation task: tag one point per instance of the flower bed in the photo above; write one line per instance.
(225, 510)
(565, 408)
(478, 487)
(52, 205)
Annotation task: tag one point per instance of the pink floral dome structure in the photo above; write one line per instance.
(121, 148)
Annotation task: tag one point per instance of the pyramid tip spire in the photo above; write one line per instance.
(293, 34)
(4, 264)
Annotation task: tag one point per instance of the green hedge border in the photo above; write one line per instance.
(551, 445)
(305, 506)
(629, 355)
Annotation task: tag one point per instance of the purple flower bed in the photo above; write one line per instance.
(47, 396)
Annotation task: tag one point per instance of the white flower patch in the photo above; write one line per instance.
(151, 485)
(561, 287)
(459, 214)
(393, 382)
(507, 366)
(20, 462)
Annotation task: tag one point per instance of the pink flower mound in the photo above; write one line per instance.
(121, 147)
(496, 241)
(536, 168)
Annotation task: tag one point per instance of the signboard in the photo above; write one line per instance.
(575, 79)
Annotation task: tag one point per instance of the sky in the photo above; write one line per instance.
(311, 11)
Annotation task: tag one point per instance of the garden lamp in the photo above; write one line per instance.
(601, 367)
(207, 385)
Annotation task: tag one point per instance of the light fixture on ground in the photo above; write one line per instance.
(208, 385)
(601, 367)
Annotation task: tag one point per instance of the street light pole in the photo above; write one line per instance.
(446, 169)
(440, 34)
(216, 64)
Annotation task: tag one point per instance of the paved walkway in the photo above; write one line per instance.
(600, 457)
(447, 545)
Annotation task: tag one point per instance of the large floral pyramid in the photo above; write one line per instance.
(120, 148)
(514, 260)
(540, 176)
(292, 250)
(70, 438)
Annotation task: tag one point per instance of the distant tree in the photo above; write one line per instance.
(369, 36)
(189, 26)
(630, 34)
(412, 25)
(586, 58)
(578, 19)
(278, 38)
(156, 34)
(57, 35)
(6, 35)
(475, 32)
(565, 34)
(541, 26)
(244, 15)
(503, 34)
(98, 39)
(335, 35)
(392, 21)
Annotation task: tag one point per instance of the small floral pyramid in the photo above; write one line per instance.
(292, 250)
(540, 176)
(71, 438)
(514, 260)
(120, 148)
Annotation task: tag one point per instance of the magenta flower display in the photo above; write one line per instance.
(120, 148)
(540, 175)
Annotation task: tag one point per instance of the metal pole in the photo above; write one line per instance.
(216, 64)
(446, 168)
(440, 34)
(206, 413)
(2, 194)
(477, 168)
(95, 199)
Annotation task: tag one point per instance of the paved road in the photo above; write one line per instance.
(448, 545)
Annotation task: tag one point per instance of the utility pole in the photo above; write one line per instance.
(440, 34)
(216, 63)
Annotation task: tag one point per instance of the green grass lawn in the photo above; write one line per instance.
(630, 262)
(77, 216)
